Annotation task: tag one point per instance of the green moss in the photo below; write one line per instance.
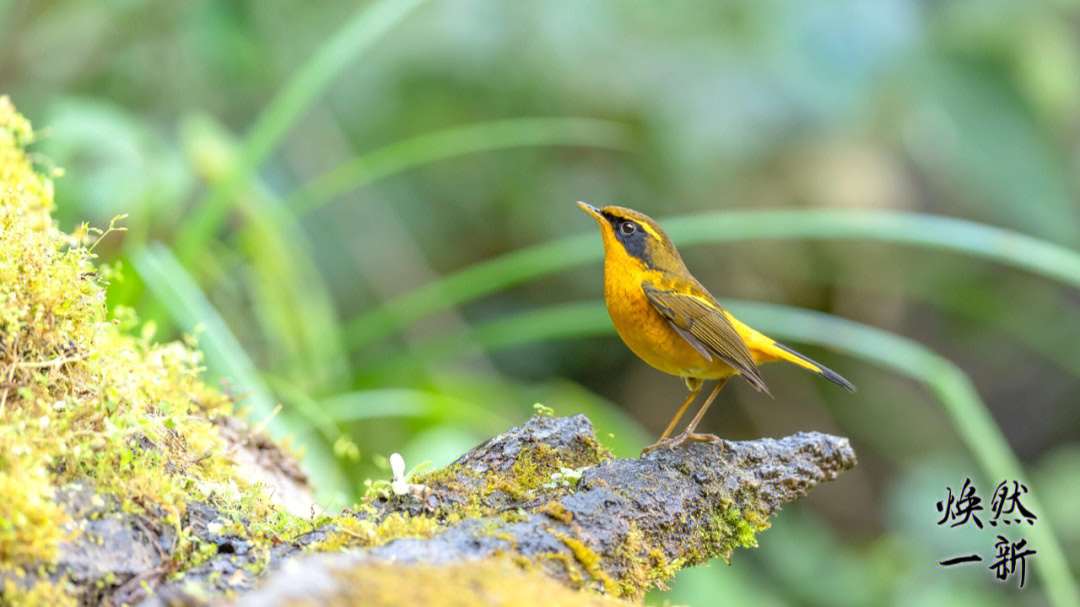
(532, 469)
(641, 565)
(529, 478)
(590, 562)
(567, 564)
(82, 399)
(39, 592)
(661, 568)
(494, 581)
(490, 494)
(30, 523)
(349, 532)
(735, 526)
(557, 511)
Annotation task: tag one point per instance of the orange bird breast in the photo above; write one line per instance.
(644, 330)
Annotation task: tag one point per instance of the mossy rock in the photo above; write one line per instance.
(104, 433)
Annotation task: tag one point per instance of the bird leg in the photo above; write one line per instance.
(688, 433)
(694, 390)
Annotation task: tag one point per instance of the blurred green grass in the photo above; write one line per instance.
(368, 209)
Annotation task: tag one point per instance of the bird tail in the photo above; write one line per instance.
(765, 349)
(783, 352)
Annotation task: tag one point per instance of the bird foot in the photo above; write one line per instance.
(671, 443)
(712, 438)
(667, 442)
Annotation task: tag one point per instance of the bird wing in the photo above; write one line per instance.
(704, 325)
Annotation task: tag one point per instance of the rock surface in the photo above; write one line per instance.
(623, 526)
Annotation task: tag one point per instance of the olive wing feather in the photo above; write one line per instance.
(703, 325)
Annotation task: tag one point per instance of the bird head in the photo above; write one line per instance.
(629, 232)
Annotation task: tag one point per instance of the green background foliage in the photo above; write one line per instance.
(365, 214)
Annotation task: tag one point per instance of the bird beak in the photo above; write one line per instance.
(591, 210)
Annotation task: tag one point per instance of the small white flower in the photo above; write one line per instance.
(399, 485)
(397, 465)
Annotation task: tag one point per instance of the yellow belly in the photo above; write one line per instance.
(648, 334)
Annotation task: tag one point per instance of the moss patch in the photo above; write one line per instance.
(536, 475)
(82, 398)
(41, 592)
(590, 562)
(487, 582)
(735, 526)
(351, 532)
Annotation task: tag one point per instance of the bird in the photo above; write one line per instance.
(666, 317)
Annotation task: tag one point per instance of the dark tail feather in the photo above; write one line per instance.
(818, 368)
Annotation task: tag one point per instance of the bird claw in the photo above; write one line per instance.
(676, 441)
(667, 442)
(712, 438)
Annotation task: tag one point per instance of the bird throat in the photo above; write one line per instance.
(625, 250)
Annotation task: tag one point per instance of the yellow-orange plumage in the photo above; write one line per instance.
(666, 317)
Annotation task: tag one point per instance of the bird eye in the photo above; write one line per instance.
(627, 227)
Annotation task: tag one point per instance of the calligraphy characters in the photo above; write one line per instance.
(1006, 508)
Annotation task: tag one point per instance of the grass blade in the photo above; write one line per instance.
(468, 284)
(402, 402)
(186, 304)
(291, 300)
(572, 320)
(369, 25)
(458, 141)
